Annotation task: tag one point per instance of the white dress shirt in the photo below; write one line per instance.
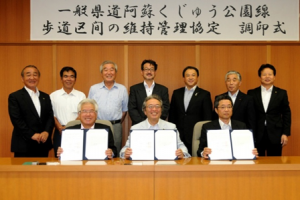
(35, 99)
(149, 90)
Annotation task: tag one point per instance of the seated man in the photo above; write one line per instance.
(223, 107)
(87, 114)
(152, 108)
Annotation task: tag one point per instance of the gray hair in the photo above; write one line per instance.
(153, 96)
(85, 101)
(108, 62)
(233, 72)
(30, 66)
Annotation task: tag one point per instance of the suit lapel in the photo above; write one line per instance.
(43, 103)
(259, 99)
(216, 124)
(273, 97)
(237, 102)
(181, 99)
(29, 102)
(194, 97)
(142, 92)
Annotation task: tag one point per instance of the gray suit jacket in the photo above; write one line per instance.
(162, 125)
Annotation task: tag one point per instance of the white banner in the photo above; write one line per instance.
(197, 20)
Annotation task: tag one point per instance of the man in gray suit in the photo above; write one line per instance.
(152, 108)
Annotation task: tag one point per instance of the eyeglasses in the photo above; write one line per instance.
(153, 106)
(150, 69)
(224, 107)
(87, 111)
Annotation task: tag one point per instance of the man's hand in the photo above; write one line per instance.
(36, 137)
(206, 152)
(109, 153)
(128, 153)
(179, 153)
(44, 136)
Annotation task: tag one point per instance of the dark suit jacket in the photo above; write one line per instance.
(278, 115)
(111, 142)
(137, 96)
(27, 122)
(199, 109)
(215, 125)
(243, 110)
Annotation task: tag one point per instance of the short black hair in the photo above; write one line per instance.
(264, 66)
(151, 62)
(222, 97)
(66, 69)
(190, 67)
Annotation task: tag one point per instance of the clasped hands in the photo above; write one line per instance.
(40, 137)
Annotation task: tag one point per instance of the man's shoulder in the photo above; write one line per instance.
(211, 124)
(178, 90)
(17, 92)
(160, 86)
(100, 125)
(254, 90)
(201, 90)
(238, 124)
(44, 94)
(120, 86)
(56, 92)
(137, 85)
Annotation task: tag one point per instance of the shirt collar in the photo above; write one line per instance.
(156, 125)
(192, 89)
(102, 85)
(222, 123)
(30, 92)
(146, 85)
(93, 127)
(64, 92)
(265, 89)
(234, 95)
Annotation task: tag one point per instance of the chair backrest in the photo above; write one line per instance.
(196, 136)
(106, 122)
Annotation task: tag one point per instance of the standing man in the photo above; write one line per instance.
(140, 91)
(243, 105)
(31, 114)
(223, 107)
(112, 99)
(189, 105)
(64, 103)
(273, 113)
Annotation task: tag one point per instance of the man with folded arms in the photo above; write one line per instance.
(223, 107)
(152, 108)
(87, 114)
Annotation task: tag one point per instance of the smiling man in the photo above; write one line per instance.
(152, 107)
(64, 103)
(223, 107)
(31, 114)
(112, 99)
(273, 113)
(140, 91)
(189, 105)
(243, 105)
(87, 114)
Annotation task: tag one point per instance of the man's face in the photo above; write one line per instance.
(190, 78)
(68, 79)
(108, 73)
(233, 83)
(153, 109)
(31, 78)
(267, 77)
(87, 114)
(148, 72)
(224, 109)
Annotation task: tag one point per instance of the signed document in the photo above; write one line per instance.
(96, 144)
(142, 144)
(165, 144)
(72, 144)
(230, 145)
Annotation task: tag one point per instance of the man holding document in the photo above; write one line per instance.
(152, 108)
(223, 107)
(87, 113)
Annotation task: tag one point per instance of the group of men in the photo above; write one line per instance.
(265, 110)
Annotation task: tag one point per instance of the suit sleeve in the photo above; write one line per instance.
(166, 103)
(207, 107)
(172, 112)
(17, 119)
(111, 142)
(286, 115)
(132, 107)
(203, 140)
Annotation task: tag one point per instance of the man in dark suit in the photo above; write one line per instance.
(223, 107)
(87, 114)
(189, 105)
(140, 91)
(31, 114)
(273, 113)
(243, 105)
